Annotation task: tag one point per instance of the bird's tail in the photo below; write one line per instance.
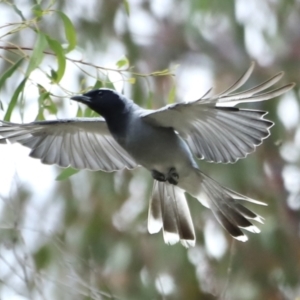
(169, 211)
(225, 204)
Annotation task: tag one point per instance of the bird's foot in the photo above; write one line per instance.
(173, 176)
(158, 176)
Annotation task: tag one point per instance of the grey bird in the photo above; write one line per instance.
(165, 142)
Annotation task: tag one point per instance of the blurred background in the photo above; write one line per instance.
(84, 236)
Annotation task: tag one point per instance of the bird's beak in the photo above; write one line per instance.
(82, 98)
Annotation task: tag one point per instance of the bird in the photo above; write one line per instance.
(167, 142)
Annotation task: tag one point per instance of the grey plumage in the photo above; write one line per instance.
(165, 142)
(83, 143)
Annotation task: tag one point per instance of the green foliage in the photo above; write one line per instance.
(42, 258)
(127, 7)
(172, 94)
(70, 31)
(9, 72)
(14, 99)
(45, 103)
(66, 173)
(56, 47)
(48, 44)
(123, 62)
(19, 12)
(37, 53)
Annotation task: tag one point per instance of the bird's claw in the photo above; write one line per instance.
(172, 177)
(158, 176)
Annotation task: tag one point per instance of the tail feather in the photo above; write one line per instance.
(169, 211)
(233, 230)
(224, 203)
(248, 213)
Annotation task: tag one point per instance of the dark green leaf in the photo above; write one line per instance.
(10, 71)
(53, 76)
(14, 100)
(61, 60)
(66, 173)
(42, 257)
(70, 31)
(37, 54)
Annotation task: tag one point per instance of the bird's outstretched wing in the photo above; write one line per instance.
(214, 129)
(169, 211)
(84, 143)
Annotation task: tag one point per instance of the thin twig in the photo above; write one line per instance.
(82, 62)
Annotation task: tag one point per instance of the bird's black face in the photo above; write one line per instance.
(103, 101)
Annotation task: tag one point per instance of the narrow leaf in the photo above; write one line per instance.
(10, 71)
(79, 112)
(37, 54)
(149, 100)
(161, 73)
(61, 60)
(127, 7)
(172, 95)
(66, 173)
(70, 31)
(43, 96)
(18, 12)
(14, 100)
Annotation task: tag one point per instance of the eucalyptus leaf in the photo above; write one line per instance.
(10, 71)
(70, 31)
(61, 60)
(127, 7)
(37, 54)
(66, 173)
(122, 62)
(14, 100)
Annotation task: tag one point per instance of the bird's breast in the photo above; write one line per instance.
(157, 148)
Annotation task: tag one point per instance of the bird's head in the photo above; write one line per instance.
(103, 101)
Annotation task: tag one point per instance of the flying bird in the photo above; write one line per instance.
(166, 142)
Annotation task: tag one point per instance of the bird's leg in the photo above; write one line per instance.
(173, 176)
(158, 176)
